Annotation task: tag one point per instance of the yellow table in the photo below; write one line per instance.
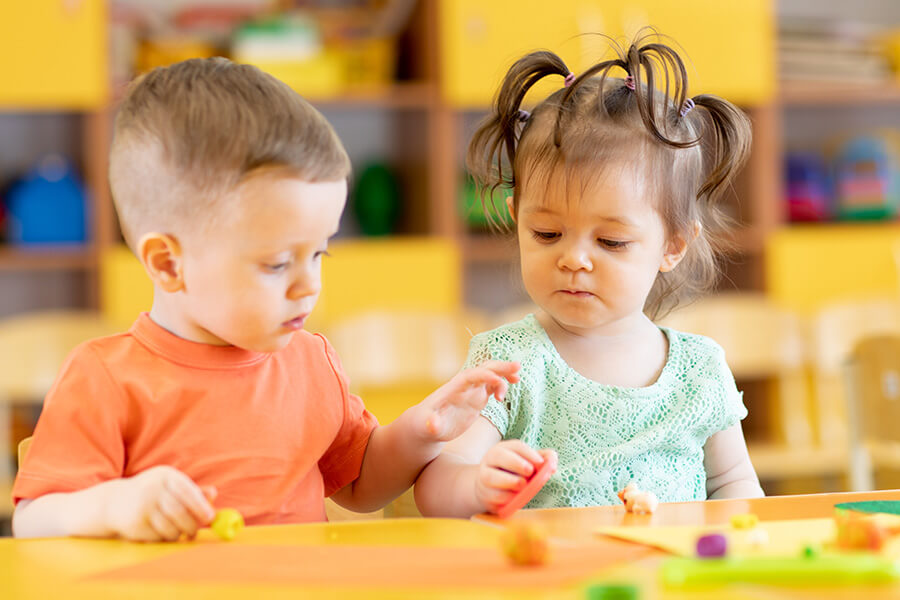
(73, 568)
(436, 558)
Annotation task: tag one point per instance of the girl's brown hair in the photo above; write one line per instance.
(643, 121)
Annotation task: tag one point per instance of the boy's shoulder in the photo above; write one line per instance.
(122, 348)
(107, 347)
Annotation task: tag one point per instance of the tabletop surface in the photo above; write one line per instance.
(399, 558)
(578, 524)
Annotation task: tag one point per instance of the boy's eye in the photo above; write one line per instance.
(277, 267)
(545, 236)
(613, 244)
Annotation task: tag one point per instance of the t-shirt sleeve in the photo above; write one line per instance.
(727, 401)
(78, 440)
(342, 462)
(483, 347)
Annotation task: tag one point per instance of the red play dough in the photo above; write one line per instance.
(535, 483)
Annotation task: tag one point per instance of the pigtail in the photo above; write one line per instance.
(659, 62)
(492, 152)
(727, 138)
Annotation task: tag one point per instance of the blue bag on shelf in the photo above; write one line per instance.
(47, 205)
(867, 177)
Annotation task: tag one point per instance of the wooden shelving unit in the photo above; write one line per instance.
(51, 258)
(829, 94)
(431, 167)
(400, 96)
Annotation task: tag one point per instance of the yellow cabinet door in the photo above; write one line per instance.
(808, 267)
(728, 45)
(53, 54)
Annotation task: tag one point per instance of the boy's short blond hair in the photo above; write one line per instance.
(189, 133)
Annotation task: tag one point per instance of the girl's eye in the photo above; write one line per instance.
(545, 236)
(276, 268)
(613, 244)
(321, 253)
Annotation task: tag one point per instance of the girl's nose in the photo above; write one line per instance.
(576, 256)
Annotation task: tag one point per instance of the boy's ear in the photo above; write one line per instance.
(511, 208)
(677, 248)
(160, 253)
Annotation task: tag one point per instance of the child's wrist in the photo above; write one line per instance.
(104, 520)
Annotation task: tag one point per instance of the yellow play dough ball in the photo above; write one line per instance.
(227, 523)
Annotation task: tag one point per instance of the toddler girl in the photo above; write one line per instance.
(615, 189)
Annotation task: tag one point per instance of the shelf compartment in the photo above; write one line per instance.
(835, 94)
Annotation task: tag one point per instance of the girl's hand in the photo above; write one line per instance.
(454, 406)
(505, 470)
(159, 504)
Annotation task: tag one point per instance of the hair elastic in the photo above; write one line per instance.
(524, 115)
(569, 79)
(686, 107)
(629, 82)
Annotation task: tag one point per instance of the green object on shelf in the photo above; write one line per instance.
(891, 507)
(473, 213)
(376, 200)
(844, 569)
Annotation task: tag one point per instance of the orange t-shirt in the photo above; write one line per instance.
(274, 432)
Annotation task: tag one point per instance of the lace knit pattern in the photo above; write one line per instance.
(608, 436)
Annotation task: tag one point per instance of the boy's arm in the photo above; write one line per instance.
(729, 472)
(160, 503)
(398, 452)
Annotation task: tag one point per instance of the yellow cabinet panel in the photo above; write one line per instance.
(729, 46)
(53, 54)
(390, 273)
(808, 267)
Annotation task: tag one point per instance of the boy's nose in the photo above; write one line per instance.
(303, 288)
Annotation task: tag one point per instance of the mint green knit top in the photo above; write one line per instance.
(608, 436)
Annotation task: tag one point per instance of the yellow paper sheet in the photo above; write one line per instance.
(786, 538)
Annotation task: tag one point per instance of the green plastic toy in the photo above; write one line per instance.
(891, 507)
(846, 569)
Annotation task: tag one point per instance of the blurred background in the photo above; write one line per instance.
(810, 297)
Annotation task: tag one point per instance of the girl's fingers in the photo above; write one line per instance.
(177, 513)
(502, 480)
(164, 528)
(525, 451)
(512, 462)
(498, 499)
(548, 453)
